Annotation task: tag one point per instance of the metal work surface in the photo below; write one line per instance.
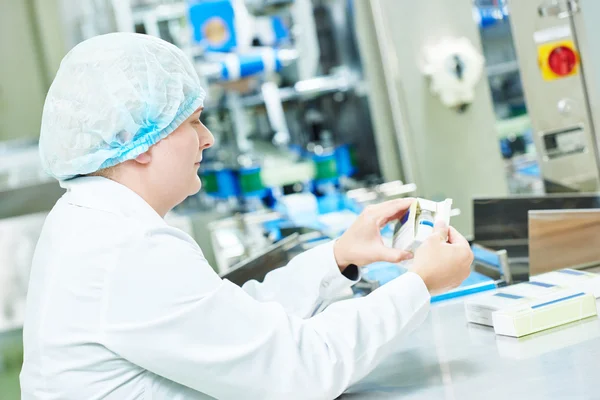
(448, 358)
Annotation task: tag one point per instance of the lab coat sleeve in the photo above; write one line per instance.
(166, 311)
(310, 280)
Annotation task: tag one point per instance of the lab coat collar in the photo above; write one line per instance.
(103, 194)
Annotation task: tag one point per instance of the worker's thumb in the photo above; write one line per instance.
(394, 255)
(441, 230)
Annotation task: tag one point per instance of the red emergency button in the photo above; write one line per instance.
(562, 60)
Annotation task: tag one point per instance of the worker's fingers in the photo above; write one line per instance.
(394, 255)
(440, 230)
(390, 210)
(454, 237)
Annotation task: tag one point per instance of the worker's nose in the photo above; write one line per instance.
(206, 138)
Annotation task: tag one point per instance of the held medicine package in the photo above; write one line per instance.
(417, 224)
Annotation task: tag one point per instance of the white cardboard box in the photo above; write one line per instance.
(479, 309)
(571, 278)
(559, 308)
(406, 235)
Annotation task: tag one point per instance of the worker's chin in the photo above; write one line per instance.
(195, 186)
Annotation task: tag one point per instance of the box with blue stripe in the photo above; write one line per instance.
(585, 281)
(559, 308)
(479, 309)
(418, 223)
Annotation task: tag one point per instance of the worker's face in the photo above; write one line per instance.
(176, 158)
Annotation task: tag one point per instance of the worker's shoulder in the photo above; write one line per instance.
(86, 221)
(156, 247)
(168, 235)
(104, 226)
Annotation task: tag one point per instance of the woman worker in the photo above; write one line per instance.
(122, 306)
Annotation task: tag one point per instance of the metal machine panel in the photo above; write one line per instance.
(502, 222)
(551, 61)
(444, 152)
(586, 28)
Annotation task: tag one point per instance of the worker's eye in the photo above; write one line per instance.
(196, 122)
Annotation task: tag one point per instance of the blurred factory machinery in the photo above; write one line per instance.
(319, 107)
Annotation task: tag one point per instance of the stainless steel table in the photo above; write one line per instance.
(448, 358)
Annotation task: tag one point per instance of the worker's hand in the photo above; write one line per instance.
(443, 263)
(362, 243)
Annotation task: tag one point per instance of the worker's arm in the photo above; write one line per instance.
(168, 312)
(310, 279)
(318, 275)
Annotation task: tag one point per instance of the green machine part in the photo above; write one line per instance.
(210, 184)
(326, 167)
(251, 181)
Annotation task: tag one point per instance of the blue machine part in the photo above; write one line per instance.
(226, 181)
(271, 31)
(330, 203)
(251, 188)
(273, 228)
(297, 150)
(528, 134)
(531, 170)
(486, 256)
(344, 161)
(505, 148)
(213, 25)
(490, 16)
(326, 169)
(241, 66)
(337, 202)
(383, 273)
(280, 30)
(474, 283)
(332, 208)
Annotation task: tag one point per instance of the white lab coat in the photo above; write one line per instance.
(122, 306)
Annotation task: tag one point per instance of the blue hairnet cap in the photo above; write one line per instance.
(115, 96)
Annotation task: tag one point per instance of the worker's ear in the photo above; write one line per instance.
(144, 158)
